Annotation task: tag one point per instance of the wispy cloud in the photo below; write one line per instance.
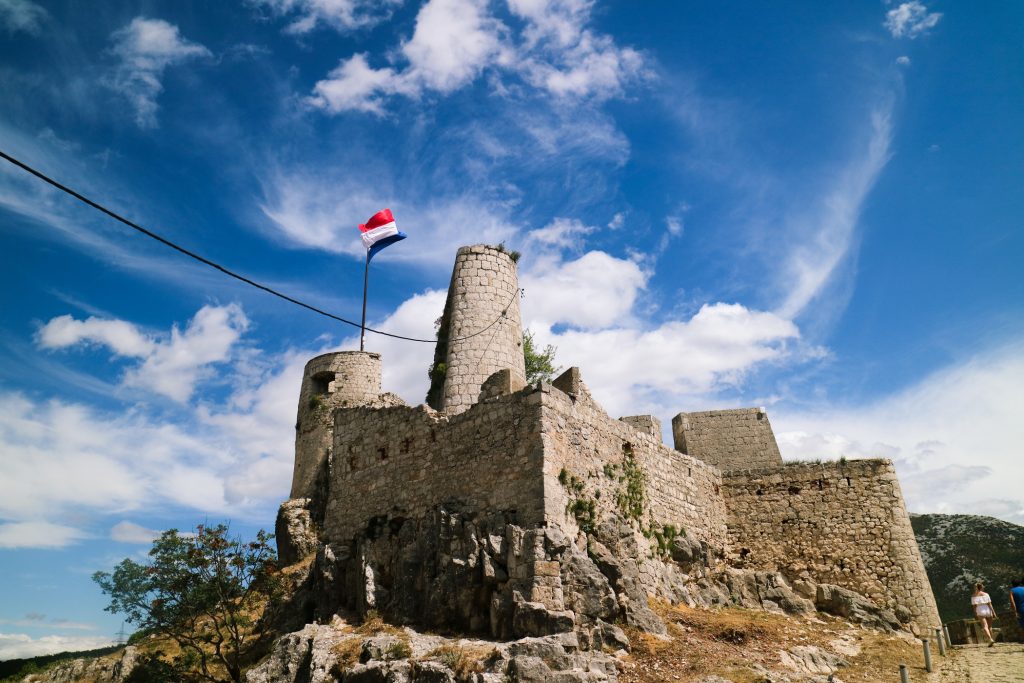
(821, 240)
(910, 20)
(341, 15)
(22, 15)
(145, 48)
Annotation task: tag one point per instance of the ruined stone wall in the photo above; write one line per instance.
(728, 439)
(605, 455)
(841, 523)
(404, 461)
(329, 381)
(484, 288)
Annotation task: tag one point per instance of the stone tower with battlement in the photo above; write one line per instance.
(518, 510)
(481, 330)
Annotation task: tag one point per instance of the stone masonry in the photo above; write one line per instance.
(484, 289)
(520, 510)
(841, 523)
(728, 439)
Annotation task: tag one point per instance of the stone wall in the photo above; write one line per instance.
(329, 381)
(484, 288)
(728, 439)
(602, 456)
(404, 461)
(841, 523)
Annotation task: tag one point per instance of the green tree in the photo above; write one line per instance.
(540, 365)
(205, 591)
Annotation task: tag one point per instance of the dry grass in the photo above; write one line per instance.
(464, 661)
(730, 642)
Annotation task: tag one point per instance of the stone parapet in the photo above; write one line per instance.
(729, 439)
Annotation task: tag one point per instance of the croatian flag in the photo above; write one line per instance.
(379, 232)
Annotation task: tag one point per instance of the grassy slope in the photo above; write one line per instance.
(961, 549)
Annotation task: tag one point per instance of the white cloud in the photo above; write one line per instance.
(559, 234)
(910, 20)
(130, 532)
(592, 292)
(121, 337)
(955, 435)
(322, 212)
(354, 85)
(341, 15)
(22, 15)
(38, 534)
(20, 645)
(453, 41)
(456, 40)
(617, 221)
(903, 60)
(145, 48)
(171, 366)
(822, 240)
(64, 460)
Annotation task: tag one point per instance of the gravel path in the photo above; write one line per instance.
(1003, 663)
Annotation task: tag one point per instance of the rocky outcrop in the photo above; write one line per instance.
(294, 530)
(115, 668)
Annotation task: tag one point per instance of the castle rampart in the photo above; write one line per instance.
(728, 439)
(484, 289)
(841, 523)
(405, 461)
(331, 380)
(591, 457)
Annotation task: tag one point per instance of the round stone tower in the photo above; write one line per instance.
(333, 380)
(484, 289)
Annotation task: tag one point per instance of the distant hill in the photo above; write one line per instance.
(961, 549)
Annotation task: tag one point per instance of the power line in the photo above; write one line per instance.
(230, 273)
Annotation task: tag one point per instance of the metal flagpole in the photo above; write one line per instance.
(366, 282)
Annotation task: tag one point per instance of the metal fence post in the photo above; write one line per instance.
(904, 677)
(927, 655)
(942, 641)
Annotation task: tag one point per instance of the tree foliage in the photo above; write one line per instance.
(205, 591)
(540, 365)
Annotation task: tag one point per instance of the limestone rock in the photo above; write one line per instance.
(853, 606)
(811, 659)
(294, 531)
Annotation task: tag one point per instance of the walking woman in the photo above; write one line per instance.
(983, 610)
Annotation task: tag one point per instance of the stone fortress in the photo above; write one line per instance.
(509, 510)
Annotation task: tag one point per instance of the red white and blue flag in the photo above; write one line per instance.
(379, 232)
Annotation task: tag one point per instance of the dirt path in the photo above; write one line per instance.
(1003, 663)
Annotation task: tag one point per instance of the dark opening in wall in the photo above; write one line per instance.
(744, 552)
(383, 453)
(759, 492)
(627, 449)
(406, 443)
(848, 482)
(793, 490)
(821, 484)
(320, 383)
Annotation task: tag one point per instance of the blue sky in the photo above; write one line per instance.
(811, 207)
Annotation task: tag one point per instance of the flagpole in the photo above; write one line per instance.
(366, 282)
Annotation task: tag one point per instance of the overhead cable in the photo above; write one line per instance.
(230, 273)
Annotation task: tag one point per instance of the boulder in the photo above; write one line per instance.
(294, 530)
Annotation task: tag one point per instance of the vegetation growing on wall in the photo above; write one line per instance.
(540, 364)
(582, 507)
